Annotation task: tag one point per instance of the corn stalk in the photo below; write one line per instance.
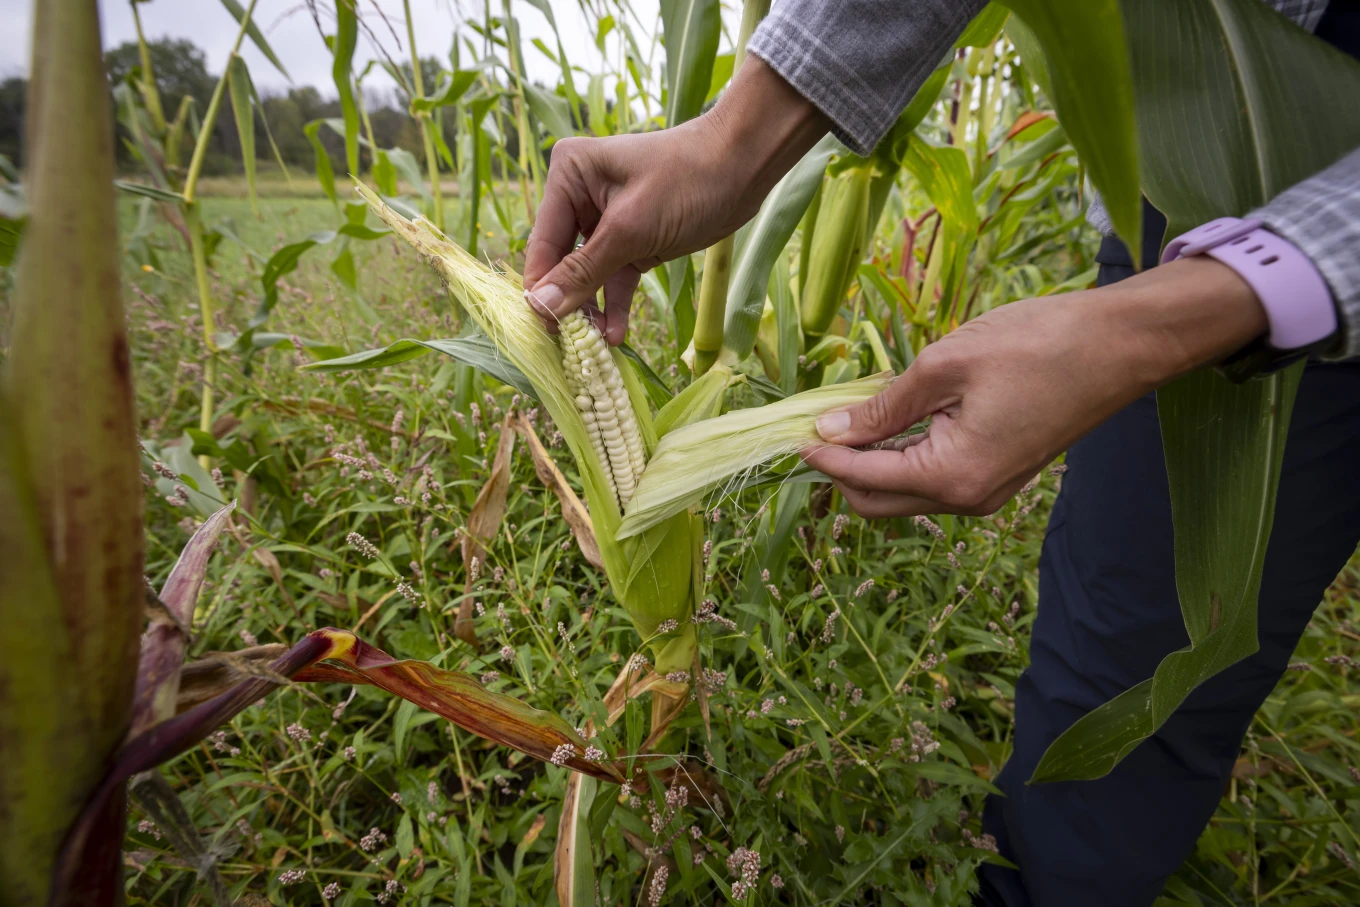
(711, 313)
(207, 306)
(71, 576)
(426, 122)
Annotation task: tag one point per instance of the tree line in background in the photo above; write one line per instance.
(181, 70)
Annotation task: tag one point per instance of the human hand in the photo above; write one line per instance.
(643, 199)
(1009, 391)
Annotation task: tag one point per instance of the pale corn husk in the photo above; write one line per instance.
(841, 233)
(650, 573)
(691, 463)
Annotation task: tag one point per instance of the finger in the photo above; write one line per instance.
(618, 302)
(915, 394)
(898, 471)
(880, 504)
(575, 280)
(567, 207)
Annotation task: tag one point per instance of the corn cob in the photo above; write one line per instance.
(597, 386)
(841, 233)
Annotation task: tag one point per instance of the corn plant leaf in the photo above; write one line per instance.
(573, 511)
(408, 168)
(985, 27)
(573, 860)
(568, 83)
(462, 699)
(255, 35)
(722, 74)
(1258, 83)
(346, 37)
(1087, 58)
(145, 191)
(1031, 54)
(452, 87)
(168, 739)
(475, 350)
(325, 173)
(761, 241)
(658, 391)
(691, 29)
(285, 261)
(944, 173)
(240, 89)
(1224, 444)
(550, 109)
(164, 642)
(1049, 143)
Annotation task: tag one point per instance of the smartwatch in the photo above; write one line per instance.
(1296, 299)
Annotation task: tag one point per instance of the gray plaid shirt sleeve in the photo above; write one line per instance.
(860, 61)
(1321, 215)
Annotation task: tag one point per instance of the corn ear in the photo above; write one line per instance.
(650, 573)
(841, 232)
(692, 462)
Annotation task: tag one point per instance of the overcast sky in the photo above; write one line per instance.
(289, 29)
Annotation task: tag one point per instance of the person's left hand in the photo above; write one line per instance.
(1009, 391)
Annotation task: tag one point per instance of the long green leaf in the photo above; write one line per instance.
(1224, 445)
(346, 38)
(285, 261)
(142, 189)
(238, 84)
(325, 173)
(256, 36)
(985, 27)
(1257, 82)
(943, 172)
(762, 241)
(475, 350)
(692, 29)
(450, 91)
(568, 83)
(1224, 89)
(1092, 87)
(549, 109)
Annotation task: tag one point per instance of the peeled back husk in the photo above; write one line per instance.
(692, 462)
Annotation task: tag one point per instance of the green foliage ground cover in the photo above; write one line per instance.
(860, 691)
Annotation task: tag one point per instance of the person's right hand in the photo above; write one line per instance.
(643, 199)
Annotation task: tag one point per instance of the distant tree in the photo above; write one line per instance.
(12, 93)
(181, 69)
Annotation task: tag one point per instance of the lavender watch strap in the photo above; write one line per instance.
(1297, 300)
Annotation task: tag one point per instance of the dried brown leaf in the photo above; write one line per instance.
(483, 522)
(573, 509)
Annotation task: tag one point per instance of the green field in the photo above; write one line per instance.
(835, 814)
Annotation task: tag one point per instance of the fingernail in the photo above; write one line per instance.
(537, 306)
(832, 425)
(547, 297)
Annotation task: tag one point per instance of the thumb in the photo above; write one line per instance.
(914, 395)
(575, 280)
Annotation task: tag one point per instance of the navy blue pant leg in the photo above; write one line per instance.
(1108, 613)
